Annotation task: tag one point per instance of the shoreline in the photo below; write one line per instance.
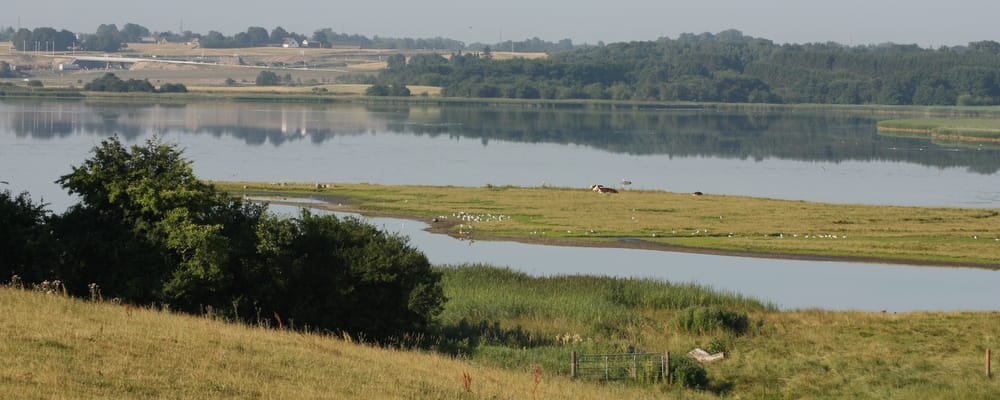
(346, 205)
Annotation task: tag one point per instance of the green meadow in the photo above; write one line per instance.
(676, 221)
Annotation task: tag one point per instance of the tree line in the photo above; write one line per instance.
(147, 231)
(723, 67)
(109, 38)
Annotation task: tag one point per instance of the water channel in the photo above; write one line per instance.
(831, 157)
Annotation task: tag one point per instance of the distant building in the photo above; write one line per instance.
(311, 43)
(290, 43)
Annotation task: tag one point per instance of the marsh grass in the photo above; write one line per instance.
(944, 236)
(791, 354)
(969, 128)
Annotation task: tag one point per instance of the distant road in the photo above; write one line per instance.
(134, 60)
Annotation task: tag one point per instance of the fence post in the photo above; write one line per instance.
(666, 367)
(607, 375)
(989, 373)
(572, 365)
(635, 365)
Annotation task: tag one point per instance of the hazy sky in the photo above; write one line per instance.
(924, 22)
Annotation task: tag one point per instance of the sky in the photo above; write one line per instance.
(855, 22)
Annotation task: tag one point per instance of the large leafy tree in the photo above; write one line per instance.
(150, 217)
(107, 38)
(147, 230)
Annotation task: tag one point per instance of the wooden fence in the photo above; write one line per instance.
(621, 366)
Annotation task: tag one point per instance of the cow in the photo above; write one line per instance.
(603, 189)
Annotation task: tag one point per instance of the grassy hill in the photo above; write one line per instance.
(53, 347)
(58, 348)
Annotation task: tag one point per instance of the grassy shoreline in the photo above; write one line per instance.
(299, 94)
(657, 220)
(961, 129)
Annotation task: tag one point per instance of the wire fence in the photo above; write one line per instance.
(646, 367)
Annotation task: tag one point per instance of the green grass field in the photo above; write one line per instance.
(681, 221)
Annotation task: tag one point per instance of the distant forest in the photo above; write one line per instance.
(723, 67)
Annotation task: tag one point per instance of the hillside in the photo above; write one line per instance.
(53, 347)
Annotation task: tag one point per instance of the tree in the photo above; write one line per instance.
(345, 275)
(107, 39)
(23, 239)
(278, 35)
(147, 230)
(396, 62)
(144, 220)
(268, 78)
(5, 71)
(257, 36)
(133, 33)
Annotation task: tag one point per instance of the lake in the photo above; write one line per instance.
(830, 157)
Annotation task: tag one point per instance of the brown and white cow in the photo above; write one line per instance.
(603, 189)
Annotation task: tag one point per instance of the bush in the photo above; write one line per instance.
(701, 319)
(34, 83)
(267, 78)
(377, 90)
(173, 88)
(688, 373)
(111, 83)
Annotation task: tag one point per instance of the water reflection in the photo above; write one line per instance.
(791, 284)
(826, 157)
(804, 136)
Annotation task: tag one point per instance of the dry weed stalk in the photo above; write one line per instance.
(537, 377)
(467, 382)
(278, 318)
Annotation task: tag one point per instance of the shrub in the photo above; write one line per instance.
(688, 373)
(173, 88)
(701, 319)
(34, 83)
(267, 78)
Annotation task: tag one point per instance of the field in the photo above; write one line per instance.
(309, 67)
(680, 221)
(509, 333)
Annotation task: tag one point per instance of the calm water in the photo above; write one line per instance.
(807, 156)
(789, 284)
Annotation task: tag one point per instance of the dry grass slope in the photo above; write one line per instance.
(57, 348)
